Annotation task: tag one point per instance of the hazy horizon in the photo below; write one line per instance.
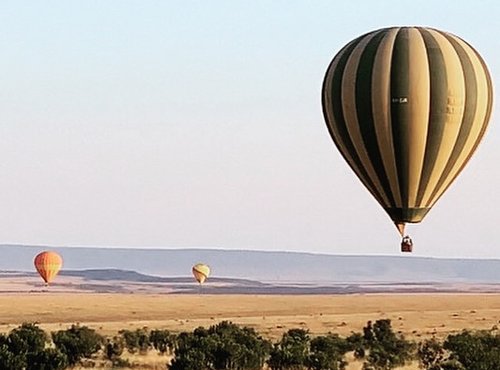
(263, 265)
(47, 247)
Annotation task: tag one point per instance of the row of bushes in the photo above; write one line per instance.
(29, 347)
(226, 346)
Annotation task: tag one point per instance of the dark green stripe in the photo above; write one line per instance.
(438, 105)
(399, 111)
(412, 215)
(336, 106)
(470, 106)
(365, 113)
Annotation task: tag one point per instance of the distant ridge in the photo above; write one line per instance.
(263, 266)
(125, 275)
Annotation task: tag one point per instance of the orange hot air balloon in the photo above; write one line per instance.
(201, 272)
(48, 265)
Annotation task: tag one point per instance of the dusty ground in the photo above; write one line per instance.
(413, 315)
(417, 315)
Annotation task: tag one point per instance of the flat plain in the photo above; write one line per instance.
(414, 315)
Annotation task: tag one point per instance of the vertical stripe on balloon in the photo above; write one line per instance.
(407, 108)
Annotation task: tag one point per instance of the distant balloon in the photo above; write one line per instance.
(407, 108)
(48, 265)
(201, 272)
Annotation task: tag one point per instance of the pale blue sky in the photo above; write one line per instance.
(199, 124)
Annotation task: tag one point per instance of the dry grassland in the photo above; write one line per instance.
(413, 315)
(416, 316)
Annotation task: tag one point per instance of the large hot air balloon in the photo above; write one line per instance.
(201, 272)
(48, 265)
(407, 108)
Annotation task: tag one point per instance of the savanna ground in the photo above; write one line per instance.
(416, 316)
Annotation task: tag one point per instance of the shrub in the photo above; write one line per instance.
(291, 352)
(114, 349)
(431, 354)
(48, 359)
(327, 353)
(26, 338)
(162, 340)
(356, 343)
(136, 341)
(77, 342)
(475, 351)
(224, 346)
(8, 360)
(386, 349)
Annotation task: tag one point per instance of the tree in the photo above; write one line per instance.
(368, 334)
(475, 351)
(236, 348)
(48, 359)
(24, 348)
(386, 349)
(136, 341)
(114, 348)
(162, 340)
(77, 342)
(10, 361)
(291, 352)
(189, 360)
(327, 353)
(191, 353)
(356, 342)
(21, 345)
(26, 338)
(224, 346)
(431, 354)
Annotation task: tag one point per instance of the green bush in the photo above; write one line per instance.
(77, 342)
(114, 349)
(431, 354)
(27, 338)
(386, 350)
(136, 341)
(24, 348)
(474, 350)
(162, 341)
(48, 359)
(327, 353)
(292, 352)
(9, 360)
(224, 346)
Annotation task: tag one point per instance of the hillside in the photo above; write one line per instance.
(276, 267)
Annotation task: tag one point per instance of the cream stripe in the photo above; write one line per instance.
(454, 112)
(418, 111)
(480, 119)
(351, 119)
(381, 107)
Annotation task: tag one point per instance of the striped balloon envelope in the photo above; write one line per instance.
(48, 265)
(201, 272)
(407, 108)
